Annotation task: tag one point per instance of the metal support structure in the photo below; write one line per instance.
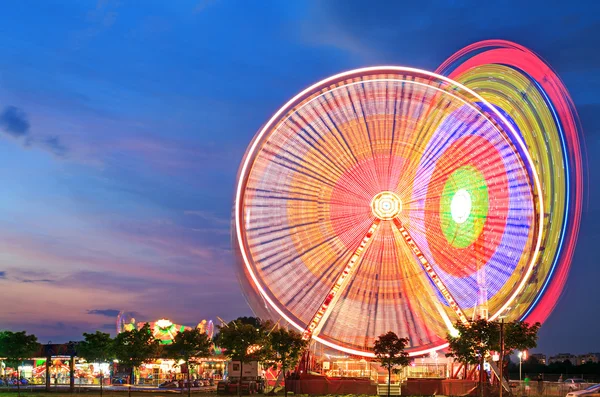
(437, 281)
(345, 276)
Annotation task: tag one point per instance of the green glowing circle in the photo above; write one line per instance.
(464, 206)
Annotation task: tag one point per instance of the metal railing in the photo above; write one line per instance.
(535, 388)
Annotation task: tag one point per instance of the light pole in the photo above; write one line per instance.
(501, 354)
(522, 356)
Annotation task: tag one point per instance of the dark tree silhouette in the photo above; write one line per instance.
(189, 346)
(285, 347)
(16, 347)
(97, 347)
(389, 350)
(136, 347)
(244, 340)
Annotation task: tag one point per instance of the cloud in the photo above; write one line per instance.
(41, 280)
(50, 143)
(54, 145)
(209, 217)
(104, 312)
(14, 121)
(108, 327)
(30, 277)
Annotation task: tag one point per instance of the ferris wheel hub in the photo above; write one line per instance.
(460, 207)
(386, 205)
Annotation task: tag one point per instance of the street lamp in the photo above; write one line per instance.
(522, 356)
(501, 355)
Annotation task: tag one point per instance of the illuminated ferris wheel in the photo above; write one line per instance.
(392, 198)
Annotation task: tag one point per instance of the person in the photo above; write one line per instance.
(540, 384)
(526, 382)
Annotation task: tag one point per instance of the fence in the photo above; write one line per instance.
(554, 389)
(437, 371)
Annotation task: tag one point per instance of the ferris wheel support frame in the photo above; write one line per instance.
(437, 281)
(343, 279)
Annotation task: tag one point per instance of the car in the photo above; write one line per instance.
(591, 391)
(573, 383)
(170, 384)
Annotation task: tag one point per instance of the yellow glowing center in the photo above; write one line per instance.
(386, 205)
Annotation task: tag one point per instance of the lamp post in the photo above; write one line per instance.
(501, 368)
(522, 356)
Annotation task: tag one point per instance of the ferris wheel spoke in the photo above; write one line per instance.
(320, 317)
(437, 281)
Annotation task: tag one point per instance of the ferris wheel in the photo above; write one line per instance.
(392, 198)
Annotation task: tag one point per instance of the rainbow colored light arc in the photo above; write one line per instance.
(392, 198)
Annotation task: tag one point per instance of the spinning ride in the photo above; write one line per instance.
(392, 198)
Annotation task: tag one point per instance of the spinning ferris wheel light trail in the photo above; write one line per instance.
(339, 286)
(392, 198)
(431, 272)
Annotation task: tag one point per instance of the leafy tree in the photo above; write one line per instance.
(473, 343)
(136, 347)
(532, 365)
(285, 347)
(255, 321)
(97, 347)
(189, 346)
(244, 340)
(16, 347)
(389, 350)
(477, 339)
(518, 335)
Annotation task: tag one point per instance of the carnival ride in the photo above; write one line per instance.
(163, 330)
(207, 327)
(125, 321)
(393, 198)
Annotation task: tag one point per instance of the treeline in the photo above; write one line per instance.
(531, 366)
(245, 339)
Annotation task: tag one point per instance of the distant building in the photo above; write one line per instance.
(589, 358)
(562, 357)
(541, 358)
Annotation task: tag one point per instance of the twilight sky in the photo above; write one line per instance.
(122, 125)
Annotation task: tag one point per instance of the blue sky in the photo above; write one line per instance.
(122, 125)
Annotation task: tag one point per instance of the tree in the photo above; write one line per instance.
(389, 350)
(519, 335)
(475, 340)
(97, 348)
(243, 341)
(189, 346)
(285, 347)
(255, 321)
(16, 347)
(136, 347)
(473, 343)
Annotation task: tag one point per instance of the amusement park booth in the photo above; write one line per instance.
(252, 376)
